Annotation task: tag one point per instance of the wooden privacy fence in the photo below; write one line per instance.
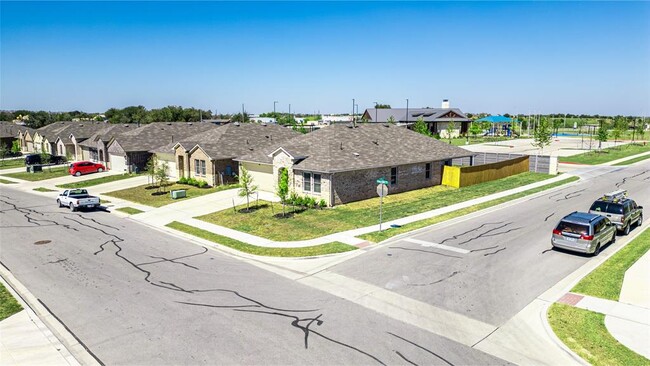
(537, 163)
(456, 176)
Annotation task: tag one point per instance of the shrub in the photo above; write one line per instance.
(293, 199)
(322, 204)
(193, 182)
(183, 180)
(202, 184)
(311, 202)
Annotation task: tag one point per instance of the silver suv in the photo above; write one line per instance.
(619, 209)
(583, 232)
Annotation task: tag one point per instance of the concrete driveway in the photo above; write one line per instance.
(560, 146)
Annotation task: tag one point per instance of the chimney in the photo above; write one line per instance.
(445, 103)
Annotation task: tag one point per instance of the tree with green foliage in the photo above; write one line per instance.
(557, 123)
(451, 127)
(542, 135)
(246, 186)
(3, 152)
(382, 106)
(283, 188)
(150, 167)
(485, 126)
(420, 127)
(391, 120)
(602, 135)
(620, 126)
(640, 129)
(161, 176)
(15, 146)
(475, 129)
(300, 128)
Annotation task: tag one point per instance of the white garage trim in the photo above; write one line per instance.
(262, 175)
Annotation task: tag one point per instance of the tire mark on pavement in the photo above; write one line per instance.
(422, 348)
(434, 282)
(469, 231)
(405, 359)
(425, 251)
(495, 252)
(549, 216)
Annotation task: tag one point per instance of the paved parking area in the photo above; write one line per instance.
(560, 146)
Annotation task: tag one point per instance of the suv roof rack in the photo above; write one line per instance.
(615, 196)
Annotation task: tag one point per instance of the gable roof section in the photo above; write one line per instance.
(10, 129)
(338, 148)
(232, 140)
(427, 114)
(153, 135)
(106, 133)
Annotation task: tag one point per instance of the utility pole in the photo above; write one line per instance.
(274, 103)
(353, 104)
(407, 112)
(376, 112)
(242, 113)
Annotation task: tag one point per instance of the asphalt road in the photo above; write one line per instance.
(492, 265)
(135, 295)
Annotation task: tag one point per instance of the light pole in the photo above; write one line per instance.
(274, 103)
(357, 107)
(376, 112)
(407, 112)
(353, 111)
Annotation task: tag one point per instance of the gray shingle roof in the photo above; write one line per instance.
(10, 129)
(340, 147)
(153, 135)
(81, 130)
(105, 134)
(234, 139)
(428, 114)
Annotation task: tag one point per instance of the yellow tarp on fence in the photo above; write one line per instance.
(455, 176)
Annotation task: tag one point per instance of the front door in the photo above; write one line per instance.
(181, 166)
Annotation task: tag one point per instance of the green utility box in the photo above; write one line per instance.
(181, 193)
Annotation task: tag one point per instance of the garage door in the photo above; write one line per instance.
(118, 163)
(262, 176)
(171, 170)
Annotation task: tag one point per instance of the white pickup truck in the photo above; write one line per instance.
(76, 199)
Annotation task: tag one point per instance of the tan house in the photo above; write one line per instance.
(26, 137)
(10, 132)
(95, 148)
(341, 163)
(210, 156)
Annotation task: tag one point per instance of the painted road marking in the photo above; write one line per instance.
(436, 245)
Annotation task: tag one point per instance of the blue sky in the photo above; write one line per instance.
(496, 57)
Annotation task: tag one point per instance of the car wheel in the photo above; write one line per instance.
(59, 202)
(626, 230)
(640, 221)
(597, 251)
(99, 170)
(77, 174)
(613, 238)
(72, 208)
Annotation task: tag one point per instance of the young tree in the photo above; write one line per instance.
(557, 123)
(640, 129)
(620, 126)
(542, 135)
(486, 126)
(161, 176)
(283, 187)
(15, 146)
(601, 135)
(421, 127)
(475, 129)
(391, 120)
(246, 186)
(451, 126)
(3, 152)
(152, 165)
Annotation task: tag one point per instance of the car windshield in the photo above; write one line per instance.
(570, 227)
(609, 207)
(75, 192)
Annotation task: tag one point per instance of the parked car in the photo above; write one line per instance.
(583, 232)
(85, 167)
(33, 159)
(619, 209)
(76, 199)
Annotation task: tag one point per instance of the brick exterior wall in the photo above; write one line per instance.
(219, 169)
(209, 168)
(358, 185)
(325, 189)
(179, 154)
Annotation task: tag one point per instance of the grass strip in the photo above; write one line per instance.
(585, 333)
(12, 163)
(47, 173)
(8, 305)
(94, 182)
(43, 189)
(329, 248)
(606, 155)
(386, 234)
(150, 196)
(4, 181)
(265, 220)
(128, 210)
(606, 281)
(632, 161)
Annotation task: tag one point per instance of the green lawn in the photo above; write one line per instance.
(129, 210)
(315, 222)
(8, 305)
(4, 181)
(329, 248)
(635, 160)
(96, 181)
(462, 141)
(47, 173)
(606, 155)
(606, 281)
(13, 163)
(585, 333)
(43, 189)
(386, 234)
(147, 196)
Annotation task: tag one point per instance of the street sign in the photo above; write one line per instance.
(382, 190)
(382, 181)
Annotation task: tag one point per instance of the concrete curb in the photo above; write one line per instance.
(68, 340)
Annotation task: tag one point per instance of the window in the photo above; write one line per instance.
(393, 175)
(306, 179)
(202, 167)
(427, 171)
(316, 183)
(197, 167)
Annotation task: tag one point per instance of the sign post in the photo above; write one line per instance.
(382, 190)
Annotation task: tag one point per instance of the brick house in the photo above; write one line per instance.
(210, 156)
(341, 163)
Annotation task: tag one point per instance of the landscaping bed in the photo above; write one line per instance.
(155, 197)
(329, 248)
(47, 173)
(606, 155)
(264, 221)
(97, 181)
